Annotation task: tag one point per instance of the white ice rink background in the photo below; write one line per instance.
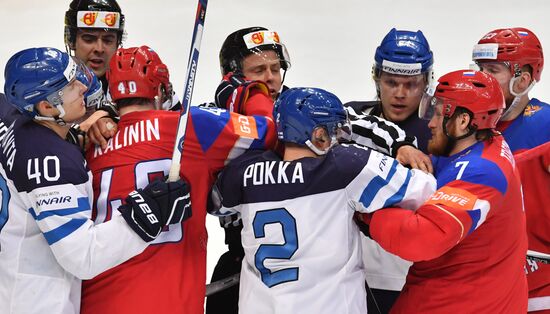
(331, 43)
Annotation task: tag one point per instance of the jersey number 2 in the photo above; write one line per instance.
(276, 251)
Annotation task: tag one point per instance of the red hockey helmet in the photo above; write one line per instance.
(516, 46)
(136, 73)
(476, 91)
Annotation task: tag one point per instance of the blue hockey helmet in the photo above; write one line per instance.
(37, 74)
(404, 53)
(299, 111)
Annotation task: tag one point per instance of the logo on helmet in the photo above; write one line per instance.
(89, 18)
(489, 36)
(257, 38)
(275, 37)
(98, 19)
(110, 19)
(401, 68)
(485, 51)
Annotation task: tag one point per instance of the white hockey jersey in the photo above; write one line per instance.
(302, 248)
(47, 241)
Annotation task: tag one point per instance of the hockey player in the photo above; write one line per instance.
(402, 71)
(247, 55)
(48, 242)
(254, 54)
(468, 240)
(173, 271)
(94, 29)
(514, 57)
(294, 264)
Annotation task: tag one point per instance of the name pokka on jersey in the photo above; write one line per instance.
(141, 131)
(273, 172)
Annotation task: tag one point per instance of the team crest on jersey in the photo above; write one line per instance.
(451, 196)
(531, 110)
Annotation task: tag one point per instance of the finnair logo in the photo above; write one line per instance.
(401, 68)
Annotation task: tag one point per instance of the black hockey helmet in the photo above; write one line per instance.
(246, 41)
(98, 14)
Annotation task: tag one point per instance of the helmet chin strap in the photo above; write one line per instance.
(318, 151)
(517, 96)
(57, 119)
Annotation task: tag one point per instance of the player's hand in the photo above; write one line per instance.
(234, 91)
(408, 155)
(160, 203)
(362, 221)
(101, 131)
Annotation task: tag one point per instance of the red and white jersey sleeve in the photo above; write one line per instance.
(467, 239)
(176, 261)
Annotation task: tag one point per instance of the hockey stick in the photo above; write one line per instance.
(222, 284)
(173, 175)
(538, 257)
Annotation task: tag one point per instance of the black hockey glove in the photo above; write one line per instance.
(363, 226)
(111, 109)
(76, 136)
(234, 90)
(160, 203)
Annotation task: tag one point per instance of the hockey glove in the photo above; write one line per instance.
(160, 203)
(110, 108)
(234, 90)
(362, 221)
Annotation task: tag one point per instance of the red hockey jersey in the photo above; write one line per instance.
(468, 241)
(534, 168)
(170, 275)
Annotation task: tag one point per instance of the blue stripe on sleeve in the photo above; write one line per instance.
(374, 186)
(398, 196)
(261, 125)
(475, 215)
(208, 124)
(83, 205)
(64, 230)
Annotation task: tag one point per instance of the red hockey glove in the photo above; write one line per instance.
(235, 90)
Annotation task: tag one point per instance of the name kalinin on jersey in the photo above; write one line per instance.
(7, 141)
(141, 131)
(273, 172)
